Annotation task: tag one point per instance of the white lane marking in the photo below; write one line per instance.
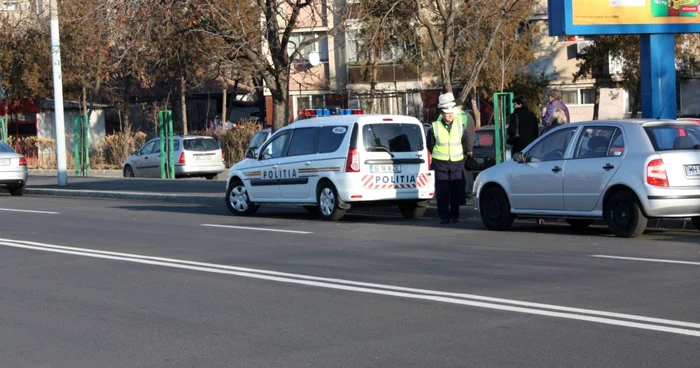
(647, 259)
(378, 286)
(29, 211)
(258, 229)
(381, 289)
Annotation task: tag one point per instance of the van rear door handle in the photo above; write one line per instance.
(307, 163)
(274, 167)
(556, 169)
(608, 167)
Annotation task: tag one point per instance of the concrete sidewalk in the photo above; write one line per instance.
(207, 192)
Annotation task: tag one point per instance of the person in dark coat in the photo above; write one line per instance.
(523, 127)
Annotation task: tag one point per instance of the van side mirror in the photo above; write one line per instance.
(250, 153)
(519, 157)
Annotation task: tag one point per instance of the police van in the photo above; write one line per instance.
(332, 163)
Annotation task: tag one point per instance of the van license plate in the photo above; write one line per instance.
(692, 170)
(5, 162)
(385, 168)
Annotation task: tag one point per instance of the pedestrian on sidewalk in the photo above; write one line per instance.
(555, 102)
(448, 142)
(523, 127)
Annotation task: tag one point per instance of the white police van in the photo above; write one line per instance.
(329, 164)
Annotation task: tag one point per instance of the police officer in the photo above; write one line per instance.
(448, 142)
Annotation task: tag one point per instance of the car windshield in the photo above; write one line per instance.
(200, 144)
(674, 137)
(258, 139)
(393, 137)
(5, 148)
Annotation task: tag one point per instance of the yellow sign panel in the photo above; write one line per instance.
(611, 12)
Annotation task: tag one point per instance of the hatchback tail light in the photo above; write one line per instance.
(430, 159)
(222, 156)
(182, 158)
(656, 173)
(22, 161)
(353, 163)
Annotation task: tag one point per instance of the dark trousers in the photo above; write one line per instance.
(449, 190)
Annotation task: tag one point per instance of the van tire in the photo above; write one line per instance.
(411, 210)
(240, 205)
(494, 208)
(624, 215)
(329, 203)
(696, 222)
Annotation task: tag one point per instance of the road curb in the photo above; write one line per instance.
(138, 196)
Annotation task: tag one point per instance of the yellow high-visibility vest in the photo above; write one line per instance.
(448, 143)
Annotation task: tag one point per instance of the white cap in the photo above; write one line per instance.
(446, 103)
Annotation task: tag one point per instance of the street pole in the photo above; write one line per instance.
(58, 97)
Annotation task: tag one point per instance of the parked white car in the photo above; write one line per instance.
(329, 164)
(13, 170)
(195, 156)
(624, 172)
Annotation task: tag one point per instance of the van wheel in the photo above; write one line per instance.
(237, 200)
(16, 191)
(696, 222)
(329, 203)
(312, 210)
(495, 209)
(624, 215)
(411, 210)
(579, 224)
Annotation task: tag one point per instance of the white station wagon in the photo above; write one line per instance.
(329, 164)
(624, 172)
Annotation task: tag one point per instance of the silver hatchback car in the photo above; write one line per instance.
(624, 172)
(195, 156)
(13, 170)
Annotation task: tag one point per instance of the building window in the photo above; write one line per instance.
(570, 97)
(587, 96)
(353, 46)
(311, 102)
(10, 5)
(320, 46)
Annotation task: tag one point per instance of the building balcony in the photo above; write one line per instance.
(386, 73)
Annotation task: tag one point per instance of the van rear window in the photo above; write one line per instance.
(674, 137)
(200, 144)
(395, 137)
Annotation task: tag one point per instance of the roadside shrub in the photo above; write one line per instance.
(234, 141)
(120, 145)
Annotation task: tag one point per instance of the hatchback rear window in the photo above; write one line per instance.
(395, 137)
(674, 137)
(484, 138)
(5, 148)
(200, 144)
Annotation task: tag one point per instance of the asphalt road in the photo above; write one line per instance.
(98, 283)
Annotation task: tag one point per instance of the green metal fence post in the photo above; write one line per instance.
(77, 144)
(503, 108)
(86, 143)
(81, 143)
(3, 130)
(165, 133)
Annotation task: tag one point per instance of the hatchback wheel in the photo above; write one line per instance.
(237, 200)
(128, 172)
(696, 222)
(624, 215)
(411, 210)
(329, 203)
(16, 191)
(579, 224)
(495, 209)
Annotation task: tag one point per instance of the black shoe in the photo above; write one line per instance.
(454, 220)
(443, 222)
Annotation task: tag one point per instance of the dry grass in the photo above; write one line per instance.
(235, 141)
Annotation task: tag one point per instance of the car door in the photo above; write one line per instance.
(537, 184)
(598, 153)
(298, 165)
(145, 160)
(264, 177)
